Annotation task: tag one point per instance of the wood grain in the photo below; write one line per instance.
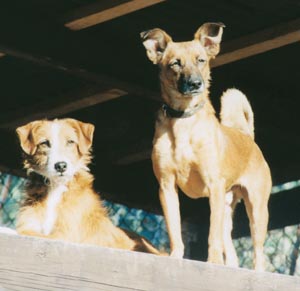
(259, 42)
(37, 264)
(102, 11)
(52, 109)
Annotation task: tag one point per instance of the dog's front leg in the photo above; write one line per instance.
(168, 195)
(215, 239)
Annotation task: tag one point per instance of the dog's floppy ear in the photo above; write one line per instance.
(155, 41)
(85, 133)
(210, 35)
(26, 139)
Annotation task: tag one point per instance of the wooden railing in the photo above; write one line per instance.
(28, 263)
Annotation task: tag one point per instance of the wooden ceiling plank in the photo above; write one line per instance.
(259, 42)
(110, 88)
(234, 50)
(139, 156)
(13, 119)
(101, 79)
(102, 12)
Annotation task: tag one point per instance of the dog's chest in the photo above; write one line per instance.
(54, 197)
(178, 153)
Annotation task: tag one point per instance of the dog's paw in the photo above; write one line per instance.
(216, 260)
(177, 253)
(215, 256)
(232, 261)
(259, 263)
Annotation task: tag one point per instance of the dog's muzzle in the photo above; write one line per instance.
(190, 85)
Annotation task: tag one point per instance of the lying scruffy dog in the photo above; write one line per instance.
(203, 157)
(60, 201)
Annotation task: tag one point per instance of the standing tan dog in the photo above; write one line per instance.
(60, 201)
(192, 150)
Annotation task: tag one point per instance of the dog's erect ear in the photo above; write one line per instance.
(210, 35)
(26, 139)
(85, 134)
(155, 41)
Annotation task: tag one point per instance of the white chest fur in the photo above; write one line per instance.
(53, 199)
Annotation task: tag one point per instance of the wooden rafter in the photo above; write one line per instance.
(101, 79)
(60, 106)
(234, 50)
(103, 11)
(108, 89)
(135, 157)
(259, 42)
(238, 49)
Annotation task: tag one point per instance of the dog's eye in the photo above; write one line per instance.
(201, 61)
(45, 143)
(70, 142)
(175, 63)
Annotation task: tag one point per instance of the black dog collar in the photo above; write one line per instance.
(173, 113)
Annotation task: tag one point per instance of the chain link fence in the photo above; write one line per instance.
(281, 248)
(11, 188)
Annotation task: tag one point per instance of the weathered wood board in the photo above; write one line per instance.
(37, 264)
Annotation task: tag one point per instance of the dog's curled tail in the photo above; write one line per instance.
(236, 111)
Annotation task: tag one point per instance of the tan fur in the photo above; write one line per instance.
(201, 156)
(79, 214)
(236, 111)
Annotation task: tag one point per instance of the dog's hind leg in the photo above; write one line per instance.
(231, 258)
(257, 210)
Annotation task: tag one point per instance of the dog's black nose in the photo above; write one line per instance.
(194, 84)
(60, 167)
(190, 84)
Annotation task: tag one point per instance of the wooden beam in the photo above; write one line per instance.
(244, 47)
(102, 11)
(109, 88)
(250, 45)
(134, 157)
(101, 79)
(259, 42)
(58, 107)
(235, 50)
(29, 263)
